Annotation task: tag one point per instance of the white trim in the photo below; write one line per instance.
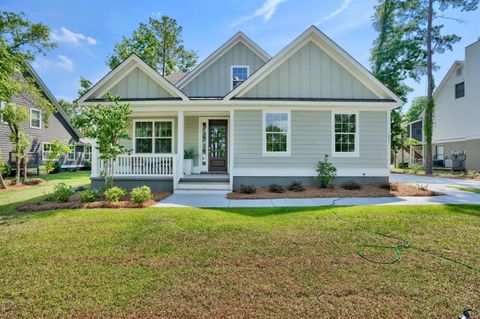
(307, 172)
(85, 153)
(207, 119)
(265, 153)
(330, 48)
(231, 147)
(389, 139)
(39, 120)
(134, 151)
(447, 76)
(74, 153)
(231, 73)
(238, 37)
(356, 153)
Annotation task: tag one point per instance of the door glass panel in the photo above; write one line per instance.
(204, 144)
(217, 140)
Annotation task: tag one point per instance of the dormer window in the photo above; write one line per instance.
(239, 75)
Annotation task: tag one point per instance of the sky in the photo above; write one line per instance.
(86, 30)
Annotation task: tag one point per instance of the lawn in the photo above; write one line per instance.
(217, 263)
(466, 189)
(436, 172)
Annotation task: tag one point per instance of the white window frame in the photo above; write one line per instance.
(2, 107)
(153, 134)
(40, 119)
(85, 153)
(44, 156)
(72, 155)
(264, 134)
(231, 73)
(357, 134)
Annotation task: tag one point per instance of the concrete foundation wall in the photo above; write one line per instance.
(306, 180)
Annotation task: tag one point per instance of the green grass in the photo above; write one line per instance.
(436, 172)
(466, 189)
(215, 263)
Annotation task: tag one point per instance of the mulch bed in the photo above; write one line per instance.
(31, 182)
(395, 190)
(74, 203)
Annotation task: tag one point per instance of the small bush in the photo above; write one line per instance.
(416, 168)
(62, 193)
(5, 169)
(141, 194)
(472, 174)
(402, 165)
(422, 187)
(296, 187)
(90, 195)
(352, 185)
(34, 181)
(114, 194)
(87, 165)
(326, 173)
(275, 188)
(57, 167)
(248, 189)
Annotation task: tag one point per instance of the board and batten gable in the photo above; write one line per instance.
(311, 134)
(310, 73)
(215, 80)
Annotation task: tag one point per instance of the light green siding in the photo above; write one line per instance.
(310, 73)
(191, 135)
(311, 135)
(215, 80)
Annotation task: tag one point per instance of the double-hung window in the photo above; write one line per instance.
(239, 75)
(35, 118)
(459, 90)
(2, 107)
(46, 150)
(88, 152)
(71, 156)
(154, 137)
(345, 134)
(276, 133)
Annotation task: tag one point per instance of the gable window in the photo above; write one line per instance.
(459, 90)
(345, 134)
(46, 150)
(276, 133)
(154, 137)
(239, 75)
(71, 156)
(88, 152)
(35, 118)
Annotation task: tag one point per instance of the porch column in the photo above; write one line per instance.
(94, 159)
(231, 148)
(180, 143)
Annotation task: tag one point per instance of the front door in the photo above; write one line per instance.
(217, 146)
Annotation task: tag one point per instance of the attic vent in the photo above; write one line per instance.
(459, 71)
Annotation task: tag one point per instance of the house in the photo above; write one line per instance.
(42, 134)
(414, 153)
(251, 118)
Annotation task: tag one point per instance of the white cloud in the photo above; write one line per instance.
(344, 6)
(65, 35)
(65, 63)
(266, 11)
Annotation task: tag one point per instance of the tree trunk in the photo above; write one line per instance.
(3, 185)
(25, 168)
(430, 103)
(17, 172)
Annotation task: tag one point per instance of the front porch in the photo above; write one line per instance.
(157, 146)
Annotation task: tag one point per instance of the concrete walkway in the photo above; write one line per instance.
(452, 196)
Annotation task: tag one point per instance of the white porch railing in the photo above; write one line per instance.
(142, 165)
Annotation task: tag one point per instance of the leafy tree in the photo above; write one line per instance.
(57, 149)
(73, 108)
(85, 85)
(107, 124)
(20, 40)
(415, 111)
(159, 43)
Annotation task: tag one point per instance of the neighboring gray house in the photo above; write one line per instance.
(252, 118)
(41, 134)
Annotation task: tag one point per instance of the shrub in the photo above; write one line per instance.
(62, 193)
(422, 187)
(402, 165)
(190, 153)
(248, 189)
(141, 194)
(326, 172)
(352, 185)
(275, 188)
(90, 195)
(87, 165)
(114, 194)
(5, 168)
(57, 167)
(296, 187)
(416, 168)
(473, 174)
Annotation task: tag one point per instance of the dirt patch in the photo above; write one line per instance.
(388, 190)
(74, 203)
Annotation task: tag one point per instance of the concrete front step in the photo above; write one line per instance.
(205, 185)
(202, 191)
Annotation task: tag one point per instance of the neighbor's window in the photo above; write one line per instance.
(46, 150)
(276, 130)
(239, 74)
(2, 107)
(35, 118)
(345, 134)
(71, 156)
(440, 151)
(88, 152)
(459, 90)
(154, 137)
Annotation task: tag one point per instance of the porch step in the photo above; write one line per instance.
(201, 192)
(206, 187)
(205, 179)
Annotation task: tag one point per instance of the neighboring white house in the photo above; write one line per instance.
(252, 118)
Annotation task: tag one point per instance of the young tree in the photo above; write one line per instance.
(107, 124)
(3, 167)
(415, 111)
(20, 40)
(159, 43)
(56, 150)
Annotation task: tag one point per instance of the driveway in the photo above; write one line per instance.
(439, 184)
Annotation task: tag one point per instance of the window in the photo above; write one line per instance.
(45, 150)
(239, 74)
(35, 118)
(88, 152)
(276, 133)
(2, 107)
(71, 156)
(345, 130)
(459, 90)
(154, 137)
(440, 152)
